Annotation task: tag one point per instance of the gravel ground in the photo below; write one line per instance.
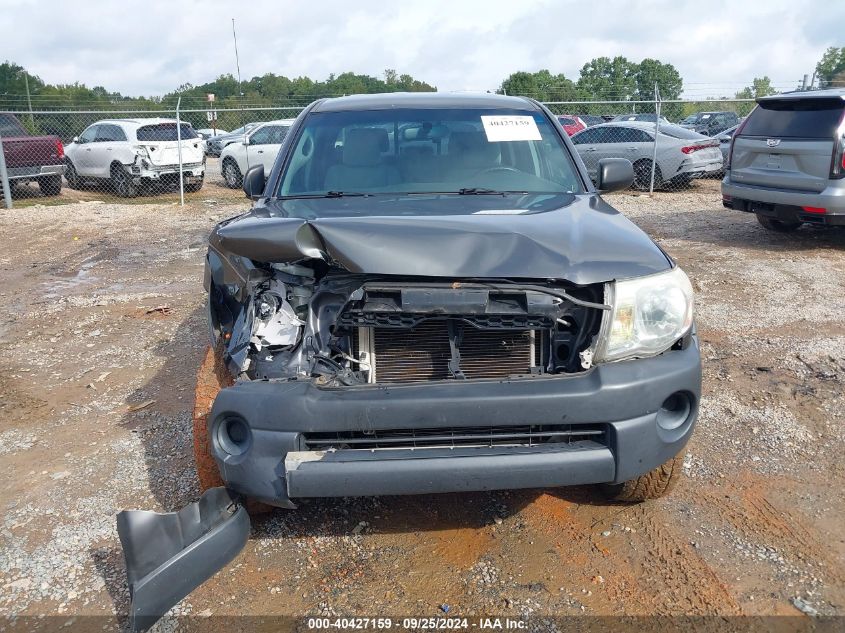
(103, 311)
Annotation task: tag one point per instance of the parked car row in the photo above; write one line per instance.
(135, 154)
(706, 123)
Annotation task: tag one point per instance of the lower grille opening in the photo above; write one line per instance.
(452, 437)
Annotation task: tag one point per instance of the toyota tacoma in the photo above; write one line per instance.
(429, 295)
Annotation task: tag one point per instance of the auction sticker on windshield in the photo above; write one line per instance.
(510, 128)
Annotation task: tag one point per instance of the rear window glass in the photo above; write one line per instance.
(676, 131)
(10, 127)
(165, 132)
(804, 118)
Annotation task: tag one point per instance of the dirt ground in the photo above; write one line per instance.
(103, 313)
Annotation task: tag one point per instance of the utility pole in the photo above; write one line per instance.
(238, 66)
(28, 99)
(237, 60)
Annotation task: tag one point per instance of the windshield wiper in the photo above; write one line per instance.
(465, 191)
(346, 194)
(483, 191)
(329, 194)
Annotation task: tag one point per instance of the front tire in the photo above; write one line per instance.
(652, 485)
(122, 182)
(781, 226)
(232, 174)
(50, 186)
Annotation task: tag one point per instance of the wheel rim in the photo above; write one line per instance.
(643, 174)
(120, 184)
(229, 174)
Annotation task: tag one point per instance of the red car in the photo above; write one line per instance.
(571, 124)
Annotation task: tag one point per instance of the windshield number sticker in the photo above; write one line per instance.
(510, 128)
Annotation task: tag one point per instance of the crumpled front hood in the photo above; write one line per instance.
(584, 242)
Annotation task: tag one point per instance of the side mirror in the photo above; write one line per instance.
(75, 139)
(614, 174)
(254, 182)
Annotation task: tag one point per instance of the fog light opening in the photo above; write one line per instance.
(234, 436)
(674, 411)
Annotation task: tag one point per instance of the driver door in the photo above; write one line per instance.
(83, 157)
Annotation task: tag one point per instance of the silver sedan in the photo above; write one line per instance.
(681, 154)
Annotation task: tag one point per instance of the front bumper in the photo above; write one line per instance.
(626, 397)
(37, 171)
(782, 204)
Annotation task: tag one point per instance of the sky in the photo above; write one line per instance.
(153, 47)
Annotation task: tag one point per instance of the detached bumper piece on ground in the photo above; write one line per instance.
(169, 555)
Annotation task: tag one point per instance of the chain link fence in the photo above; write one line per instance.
(56, 156)
(673, 145)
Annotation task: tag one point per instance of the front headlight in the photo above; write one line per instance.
(648, 315)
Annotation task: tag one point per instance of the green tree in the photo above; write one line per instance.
(760, 87)
(831, 66)
(13, 80)
(669, 83)
(609, 79)
(541, 85)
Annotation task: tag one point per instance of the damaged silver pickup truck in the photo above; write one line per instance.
(429, 295)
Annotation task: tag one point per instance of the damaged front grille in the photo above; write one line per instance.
(403, 332)
(452, 437)
(425, 352)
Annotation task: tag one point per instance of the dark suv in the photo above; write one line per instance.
(786, 163)
(430, 295)
(710, 123)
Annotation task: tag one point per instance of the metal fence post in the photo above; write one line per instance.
(4, 178)
(656, 135)
(179, 142)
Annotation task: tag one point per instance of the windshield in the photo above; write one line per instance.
(415, 151)
(9, 126)
(165, 132)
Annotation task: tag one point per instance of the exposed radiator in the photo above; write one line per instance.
(422, 353)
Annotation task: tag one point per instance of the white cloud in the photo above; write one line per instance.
(152, 48)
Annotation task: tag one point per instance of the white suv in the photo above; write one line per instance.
(135, 153)
(259, 147)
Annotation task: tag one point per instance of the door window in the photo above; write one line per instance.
(89, 135)
(633, 135)
(109, 133)
(269, 135)
(588, 137)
